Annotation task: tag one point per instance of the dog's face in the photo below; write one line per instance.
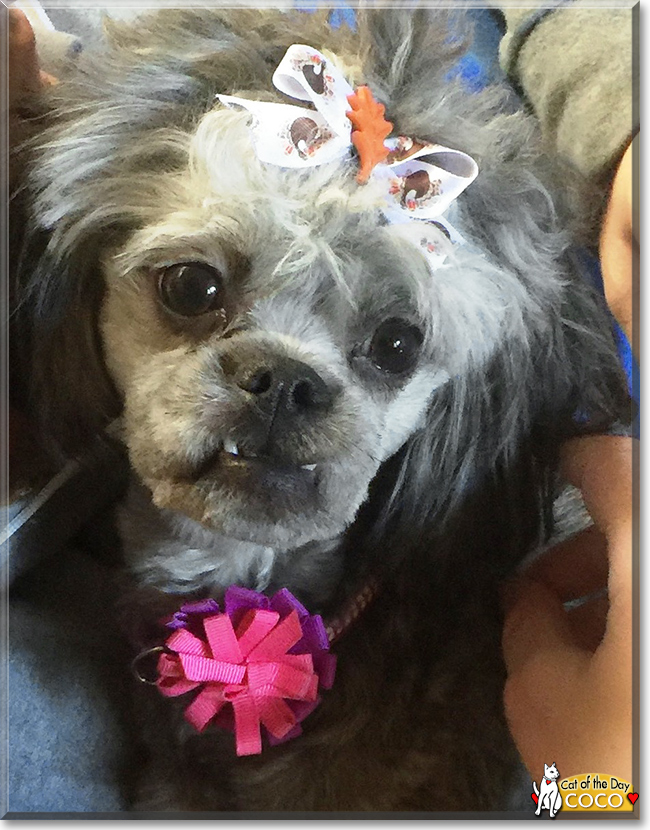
(273, 340)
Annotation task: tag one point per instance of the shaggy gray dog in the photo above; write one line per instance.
(304, 404)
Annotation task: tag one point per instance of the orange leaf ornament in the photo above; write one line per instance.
(370, 130)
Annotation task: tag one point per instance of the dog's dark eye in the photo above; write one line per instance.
(191, 288)
(395, 346)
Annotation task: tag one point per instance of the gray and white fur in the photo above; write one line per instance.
(434, 478)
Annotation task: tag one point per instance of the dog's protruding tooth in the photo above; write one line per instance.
(230, 447)
(309, 467)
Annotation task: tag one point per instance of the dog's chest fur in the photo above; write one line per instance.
(414, 714)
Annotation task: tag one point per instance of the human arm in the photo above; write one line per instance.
(568, 696)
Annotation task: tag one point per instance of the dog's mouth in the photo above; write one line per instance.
(240, 469)
(282, 498)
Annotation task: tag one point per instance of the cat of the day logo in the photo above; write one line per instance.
(589, 793)
(548, 797)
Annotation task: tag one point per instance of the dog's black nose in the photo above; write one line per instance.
(285, 385)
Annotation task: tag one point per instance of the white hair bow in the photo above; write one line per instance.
(420, 179)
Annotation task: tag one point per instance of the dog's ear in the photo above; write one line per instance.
(494, 432)
(58, 372)
(488, 457)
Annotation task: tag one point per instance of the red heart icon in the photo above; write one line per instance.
(633, 797)
(536, 799)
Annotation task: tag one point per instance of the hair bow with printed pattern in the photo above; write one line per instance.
(420, 179)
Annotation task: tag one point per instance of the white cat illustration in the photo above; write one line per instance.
(548, 795)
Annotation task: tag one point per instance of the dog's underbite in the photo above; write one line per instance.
(343, 348)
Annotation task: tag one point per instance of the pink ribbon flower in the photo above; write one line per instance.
(258, 664)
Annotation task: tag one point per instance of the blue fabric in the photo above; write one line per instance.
(480, 66)
(344, 16)
(66, 739)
